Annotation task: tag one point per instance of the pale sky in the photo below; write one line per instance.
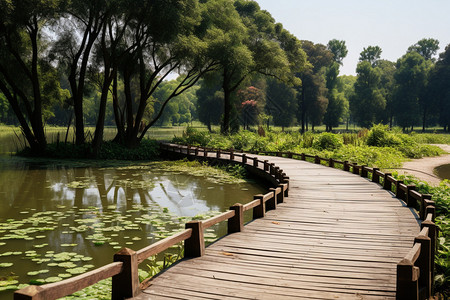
(394, 25)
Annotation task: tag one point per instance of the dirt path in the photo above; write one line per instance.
(423, 168)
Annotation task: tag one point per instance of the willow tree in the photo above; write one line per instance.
(27, 79)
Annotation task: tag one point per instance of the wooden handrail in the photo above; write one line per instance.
(217, 219)
(251, 205)
(70, 285)
(162, 245)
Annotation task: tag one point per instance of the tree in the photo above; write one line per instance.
(411, 77)
(371, 54)
(439, 88)
(312, 101)
(252, 101)
(339, 50)
(367, 102)
(78, 28)
(387, 87)
(425, 47)
(210, 100)
(27, 79)
(157, 51)
(346, 85)
(253, 44)
(281, 103)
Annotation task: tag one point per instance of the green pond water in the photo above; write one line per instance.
(58, 219)
(443, 171)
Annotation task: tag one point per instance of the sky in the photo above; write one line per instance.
(394, 25)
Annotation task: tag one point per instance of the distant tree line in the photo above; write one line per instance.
(413, 91)
(106, 62)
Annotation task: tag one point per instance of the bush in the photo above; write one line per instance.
(380, 136)
(193, 137)
(327, 141)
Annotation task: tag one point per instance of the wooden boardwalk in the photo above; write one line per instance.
(337, 236)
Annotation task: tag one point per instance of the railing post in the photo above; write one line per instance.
(236, 223)
(255, 162)
(399, 192)
(432, 234)
(424, 263)
(281, 194)
(244, 159)
(266, 165)
(218, 153)
(331, 163)
(271, 168)
(231, 155)
(317, 159)
(375, 176)
(195, 245)
(196, 151)
(407, 281)
(423, 204)
(188, 150)
(30, 292)
(411, 201)
(260, 210)
(346, 166)
(286, 181)
(205, 152)
(387, 184)
(272, 202)
(355, 169)
(280, 154)
(126, 284)
(303, 156)
(364, 172)
(289, 155)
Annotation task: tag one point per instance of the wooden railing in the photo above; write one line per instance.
(124, 269)
(415, 272)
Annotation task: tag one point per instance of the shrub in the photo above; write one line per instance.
(194, 137)
(380, 136)
(327, 141)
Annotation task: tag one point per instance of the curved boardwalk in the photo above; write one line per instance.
(337, 236)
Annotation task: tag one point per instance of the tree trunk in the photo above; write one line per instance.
(226, 111)
(424, 118)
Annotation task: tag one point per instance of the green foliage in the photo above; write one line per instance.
(441, 197)
(380, 136)
(327, 141)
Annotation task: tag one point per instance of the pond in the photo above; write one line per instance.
(443, 171)
(60, 219)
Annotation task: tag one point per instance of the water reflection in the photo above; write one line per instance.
(443, 171)
(90, 211)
